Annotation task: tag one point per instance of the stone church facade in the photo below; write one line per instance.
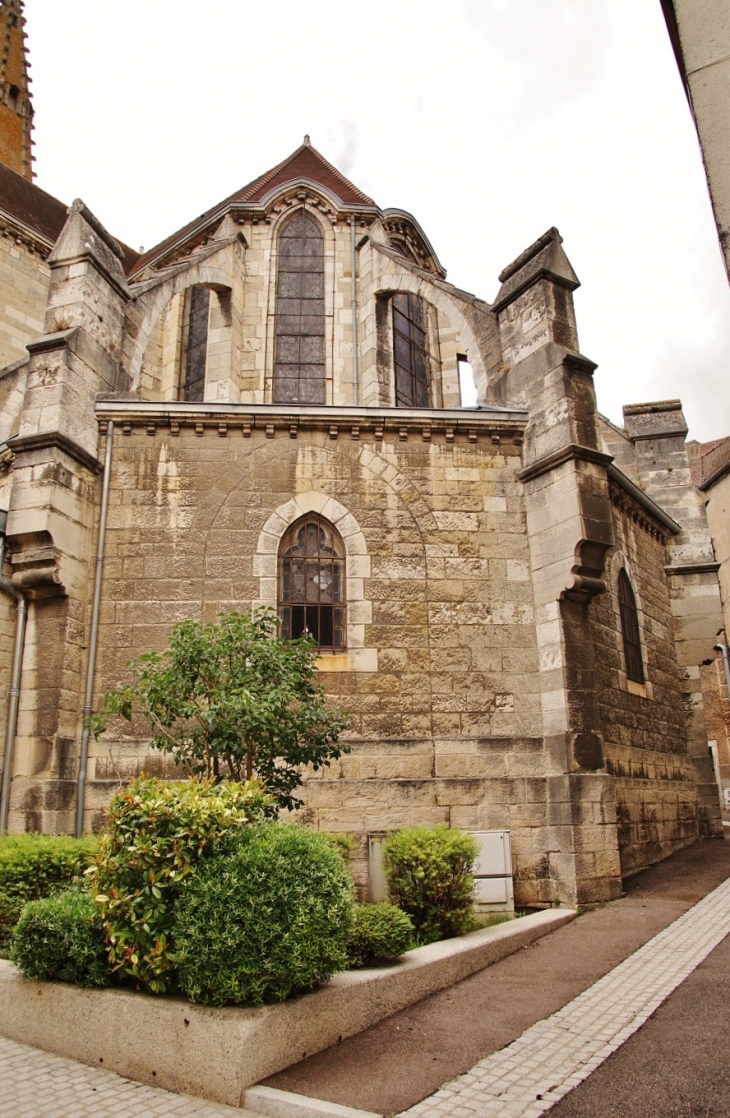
(517, 603)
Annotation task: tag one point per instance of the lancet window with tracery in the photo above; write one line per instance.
(299, 364)
(630, 629)
(312, 583)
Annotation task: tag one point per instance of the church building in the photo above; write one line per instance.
(516, 602)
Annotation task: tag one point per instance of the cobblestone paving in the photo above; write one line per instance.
(35, 1084)
(527, 1077)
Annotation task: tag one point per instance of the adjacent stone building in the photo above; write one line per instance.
(516, 602)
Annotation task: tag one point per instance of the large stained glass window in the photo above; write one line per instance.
(299, 366)
(410, 351)
(312, 583)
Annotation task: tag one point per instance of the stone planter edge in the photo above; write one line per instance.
(217, 1053)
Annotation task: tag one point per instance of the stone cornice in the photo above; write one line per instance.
(570, 453)
(31, 238)
(47, 439)
(273, 420)
(703, 568)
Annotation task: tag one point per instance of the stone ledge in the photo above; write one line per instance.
(218, 1053)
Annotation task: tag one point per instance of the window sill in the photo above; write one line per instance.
(356, 660)
(635, 688)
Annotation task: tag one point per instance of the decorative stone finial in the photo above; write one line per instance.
(307, 141)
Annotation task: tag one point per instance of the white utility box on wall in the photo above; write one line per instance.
(494, 890)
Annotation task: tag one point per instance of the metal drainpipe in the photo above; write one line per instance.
(14, 692)
(353, 254)
(94, 633)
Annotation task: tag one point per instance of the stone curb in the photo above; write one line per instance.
(270, 1102)
(218, 1053)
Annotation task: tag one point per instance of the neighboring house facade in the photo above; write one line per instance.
(517, 602)
(710, 467)
(699, 31)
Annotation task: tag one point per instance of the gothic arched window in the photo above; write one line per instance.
(299, 368)
(312, 583)
(195, 344)
(410, 351)
(630, 629)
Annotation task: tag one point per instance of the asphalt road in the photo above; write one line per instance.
(677, 1065)
(400, 1061)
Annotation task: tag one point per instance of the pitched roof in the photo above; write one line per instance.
(711, 462)
(304, 163)
(41, 212)
(27, 203)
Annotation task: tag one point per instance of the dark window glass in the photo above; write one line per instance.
(630, 629)
(312, 583)
(299, 376)
(410, 352)
(197, 344)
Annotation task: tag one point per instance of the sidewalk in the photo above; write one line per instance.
(35, 1084)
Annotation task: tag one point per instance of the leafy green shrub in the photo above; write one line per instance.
(379, 931)
(60, 939)
(158, 832)
(266, 918)
(34, 866)
(343, 843)
(231, 699)
(430, 876)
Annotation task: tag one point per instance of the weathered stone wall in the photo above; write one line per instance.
(644, 727)
(446, 715)
(24, 282)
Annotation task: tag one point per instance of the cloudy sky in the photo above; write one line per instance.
(489, 120)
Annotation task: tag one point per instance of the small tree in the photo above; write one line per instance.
(229, 699)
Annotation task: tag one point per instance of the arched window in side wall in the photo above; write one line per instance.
(195, 345)
(630, 629)
(312, 583)
(299, 366)
(410, 351)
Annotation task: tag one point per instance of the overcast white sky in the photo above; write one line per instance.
(489, 120)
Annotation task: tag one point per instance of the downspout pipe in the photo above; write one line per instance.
(14, 692)
(353, 299)
(94, 633)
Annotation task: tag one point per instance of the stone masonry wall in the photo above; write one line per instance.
(446, 720)
(24, 281)
(644, 731)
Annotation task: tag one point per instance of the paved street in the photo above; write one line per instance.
(524, 1079)
(677, 1065)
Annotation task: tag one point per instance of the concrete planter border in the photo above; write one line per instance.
(218, 1053)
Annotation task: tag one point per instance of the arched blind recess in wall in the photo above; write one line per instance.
(630, 629)
(312, 583)
(410, 351)
(299, 367)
